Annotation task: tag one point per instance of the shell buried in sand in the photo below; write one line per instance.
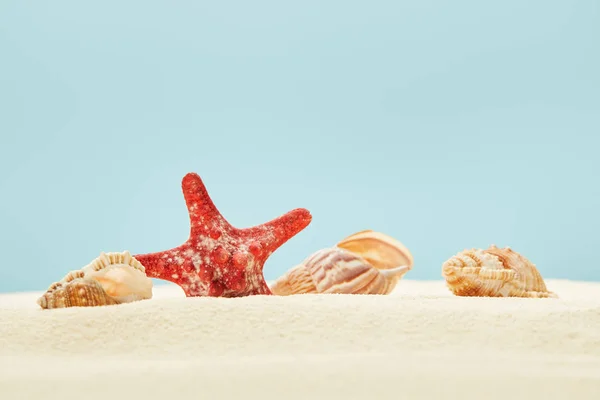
(112, 278)
(493, 272)
(367, 262)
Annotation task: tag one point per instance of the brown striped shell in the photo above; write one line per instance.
(112, 278)
(493, 272)
(349, 268)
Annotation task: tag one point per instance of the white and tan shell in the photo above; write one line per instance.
(349, 268)
(112, 278)
(378, 249)
(493, 272)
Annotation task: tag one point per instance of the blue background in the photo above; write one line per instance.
(448, 125)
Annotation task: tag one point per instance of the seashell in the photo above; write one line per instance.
(493, 272)
(380, 250)
(350, 270)
(112, 278)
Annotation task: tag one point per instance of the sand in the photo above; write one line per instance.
(420, 342)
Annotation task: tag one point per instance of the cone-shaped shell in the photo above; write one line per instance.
(493, 272)
(335, 270)
(112, 278)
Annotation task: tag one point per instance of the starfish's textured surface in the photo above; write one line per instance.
(219, 259)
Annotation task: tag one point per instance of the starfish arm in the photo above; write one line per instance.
(162, 265)
(204, 215)
(263, 289)
(271, 235)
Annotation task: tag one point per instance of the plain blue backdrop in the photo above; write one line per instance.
(446, 124)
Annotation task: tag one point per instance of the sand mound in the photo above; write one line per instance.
(420, 341)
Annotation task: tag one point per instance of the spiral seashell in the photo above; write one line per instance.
(350, 270)
(380, 250)
(112, 278)
(493, 272)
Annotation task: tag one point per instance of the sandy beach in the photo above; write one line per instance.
(420, 342)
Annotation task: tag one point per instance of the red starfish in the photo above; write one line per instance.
(219, 259)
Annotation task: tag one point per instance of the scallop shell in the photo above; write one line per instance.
(493, 272)
(351, 267)
(112, 278)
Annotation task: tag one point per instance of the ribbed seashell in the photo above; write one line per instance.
(112, 278)
(349, 268)
(493, 272)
